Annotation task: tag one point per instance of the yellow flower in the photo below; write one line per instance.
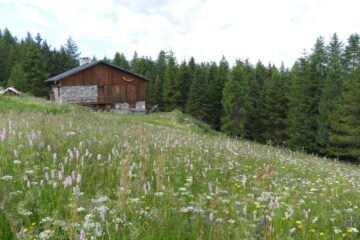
(147, 208)
(33, 224)
(298, 222)
(254, 212)
(321, 234)
(25, 230)
(349, 230)
(344, 234)
(312, 230)
(258, 206)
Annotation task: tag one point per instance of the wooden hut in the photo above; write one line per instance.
(100, 84)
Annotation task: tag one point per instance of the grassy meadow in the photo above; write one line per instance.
(69, 173)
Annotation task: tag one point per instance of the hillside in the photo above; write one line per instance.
(69, 173)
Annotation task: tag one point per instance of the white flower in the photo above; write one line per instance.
(100, 199)
(315, 219)
(337, 230)
(292, 230)
(80, 209)
(7, 177)
(159, 194)
(17, 162)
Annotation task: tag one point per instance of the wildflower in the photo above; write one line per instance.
(7, 177)
(33, 224)
(321, 234)
(25, 230)
(298, 222)
(337, 230)
(82, 235)
(315, 219)
(312, 230)
(3, 135)
(211, 217)
(292, 230)
(210, 187)
(78, 178)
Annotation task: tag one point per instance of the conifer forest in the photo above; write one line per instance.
(314, 106)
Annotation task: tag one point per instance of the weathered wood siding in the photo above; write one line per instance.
(111, 82)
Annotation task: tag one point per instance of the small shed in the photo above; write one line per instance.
(100, 84)
(10, 91)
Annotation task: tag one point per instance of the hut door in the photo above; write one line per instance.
(131, 95)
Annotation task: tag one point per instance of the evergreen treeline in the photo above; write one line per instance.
(26, 63)
(314, 106)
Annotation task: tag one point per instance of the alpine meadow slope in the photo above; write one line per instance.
(69, 173)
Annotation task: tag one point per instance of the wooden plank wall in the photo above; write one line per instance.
(111, 82)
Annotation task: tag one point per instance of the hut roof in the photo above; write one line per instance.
(89, 65)
(11, 90)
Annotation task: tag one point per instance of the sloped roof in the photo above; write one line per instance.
(89, 65)
(10, 89)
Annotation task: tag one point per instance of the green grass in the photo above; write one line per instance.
(160, 176)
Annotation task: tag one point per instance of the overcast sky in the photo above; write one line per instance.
(267, 30)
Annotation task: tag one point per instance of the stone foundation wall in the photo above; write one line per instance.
(77, 94)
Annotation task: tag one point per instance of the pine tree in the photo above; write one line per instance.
(171, 91)
(72, 50)
(35, 69)
(331, 91)
(183, 78)
(275, 107)
(303, 108)
(308, 76)
(352, 52)
(218, 76)
(197, 102)
(18, 78)
(235, 102)
(120, 61)
(8, 55)
(256, 101)
(157, 87)
(344, 138)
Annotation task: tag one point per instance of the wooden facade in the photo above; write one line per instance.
(110, 85)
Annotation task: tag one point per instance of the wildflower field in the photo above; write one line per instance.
(69, 173)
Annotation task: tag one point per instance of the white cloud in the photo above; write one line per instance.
(206, 29)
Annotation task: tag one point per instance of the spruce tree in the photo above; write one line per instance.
(352, 52)
(72, 50)
(18, 78)
(303, 108)
(275, 107)
(344, 139)
(183, 78)
(235, 102)
(218, 76)
(35, 69)
(331, 91)
(171, 91)
(256, 101)
(8, 55)
(197, 101)
(157, 87)
(120, 61)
